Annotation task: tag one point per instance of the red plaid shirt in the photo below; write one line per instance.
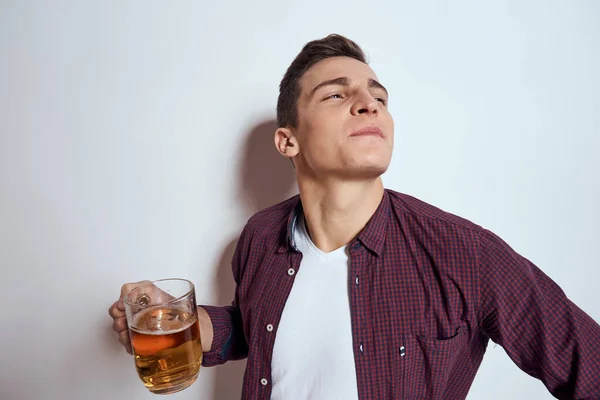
(427, 291)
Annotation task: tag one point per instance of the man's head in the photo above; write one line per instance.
(332, 113)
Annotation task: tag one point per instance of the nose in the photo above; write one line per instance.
(365, 104)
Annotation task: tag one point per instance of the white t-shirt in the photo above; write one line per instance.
(313, 355)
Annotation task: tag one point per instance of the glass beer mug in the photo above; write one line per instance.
(164, 332)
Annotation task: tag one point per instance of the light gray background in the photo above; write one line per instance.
(136, 141)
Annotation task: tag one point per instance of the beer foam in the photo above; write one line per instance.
(162, 321)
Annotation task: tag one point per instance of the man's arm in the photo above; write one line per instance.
(542, 331)
(225, 335)
(222, 330)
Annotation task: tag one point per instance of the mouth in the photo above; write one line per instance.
(368, 131)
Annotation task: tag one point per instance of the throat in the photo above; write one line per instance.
(331, 225)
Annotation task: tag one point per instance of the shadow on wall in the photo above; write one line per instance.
(264, 178)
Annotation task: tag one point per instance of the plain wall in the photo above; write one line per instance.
(136, 140)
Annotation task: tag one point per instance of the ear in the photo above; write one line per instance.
(286, 142)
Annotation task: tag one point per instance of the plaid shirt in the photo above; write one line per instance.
(427, 291)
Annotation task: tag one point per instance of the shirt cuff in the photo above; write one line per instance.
(220, 318)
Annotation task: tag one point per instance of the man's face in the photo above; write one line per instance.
(344, 127)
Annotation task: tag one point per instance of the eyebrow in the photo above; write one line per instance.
(374, 84)
(344, 81)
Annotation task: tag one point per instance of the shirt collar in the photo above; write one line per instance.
(372, 236)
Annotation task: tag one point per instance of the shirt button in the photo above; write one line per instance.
(360, 348)
(291, 271)
(270, 328)
(357, 281)
(263, 382)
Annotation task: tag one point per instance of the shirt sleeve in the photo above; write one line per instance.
(229, 341)
(541, 330)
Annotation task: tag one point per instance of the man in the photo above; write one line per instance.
(351, 291)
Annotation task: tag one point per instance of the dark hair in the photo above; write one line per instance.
(333, 45)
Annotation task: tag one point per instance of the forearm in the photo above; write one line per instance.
(225, 339)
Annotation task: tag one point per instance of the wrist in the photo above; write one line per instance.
(206, 329)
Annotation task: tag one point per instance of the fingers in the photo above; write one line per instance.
(120, 324)
(148, 289)
(115, 311)
(126, 288)
(124, 339)
(120, 305)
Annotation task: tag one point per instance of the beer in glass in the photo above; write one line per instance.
(164, 332)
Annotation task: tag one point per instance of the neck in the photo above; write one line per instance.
(336, 212)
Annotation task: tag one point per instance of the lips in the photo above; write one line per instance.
(368, 131)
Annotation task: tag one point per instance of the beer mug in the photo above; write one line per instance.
(164, 332)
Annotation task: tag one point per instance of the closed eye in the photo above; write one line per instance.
(381, 100)
(334, 96)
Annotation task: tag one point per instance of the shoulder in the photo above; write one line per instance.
(265, 229)
(425, 216)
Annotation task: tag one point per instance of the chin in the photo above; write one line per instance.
(368, 170)
(375, 162)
